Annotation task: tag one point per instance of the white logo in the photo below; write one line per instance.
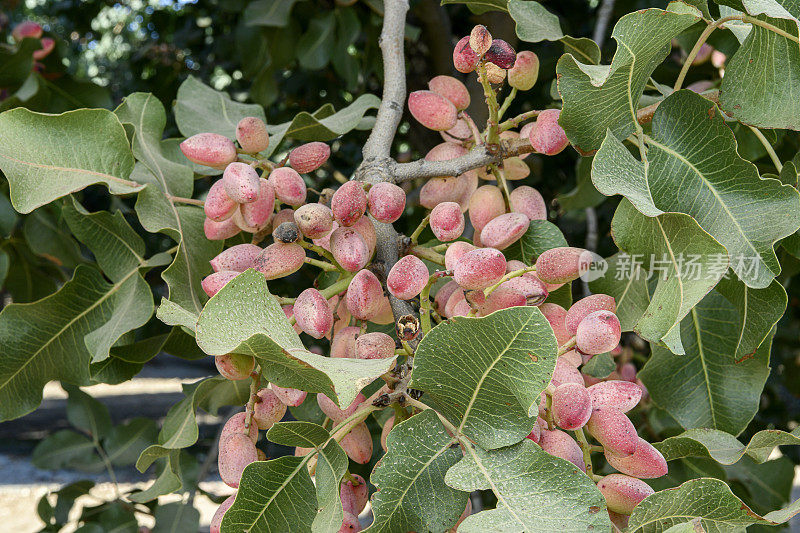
(593, 266)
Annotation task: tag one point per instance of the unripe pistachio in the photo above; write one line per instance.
(219, 231)
(238, 258)
(288, 185)
(209, 149)
(536, 433)
(358, 444)
(480, 268)
(623, 493)
(349, 249)
(523, 75)
(27, 28)
(235, 424)
(241, 182)
(218, 205)
(454, 252)
(432, 110)
(374, 345)
(385, 430)
(364, 295)
(284, 215)
(236, 451)
(613, 430)
(258, 214)
(598, 332)
(267, 409)
(214, 282)
(455, 299)
(564, 372)
(278, 260)
(309, 157)
(452, 89)
(354, 496)
(335, 413)
(573, 358)
(494, 74)
(447, 221)
(562, 265)
(288, 396)
(572, 406)
(645, 463)
(547, 136)
(528, 201)
(502, 298)
(556, 315)
(501, 53)
(515, 169)
(407, 277)
(312, 313)
(314, 220)
(386, 201)
(234, 366)
(443, 294)
(584, 306)
(251, 132)
(349, 203)
(485, 204)
(464, 57)
(561, 445)
(365, 228)
(286, 233)
(216, 520)
(48, 45)
(344, 342)
(350, 523)
(703, 54)
(480, 40)
(535, 291)
(504, 230)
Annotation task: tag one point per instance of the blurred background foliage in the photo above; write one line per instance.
(291, 56)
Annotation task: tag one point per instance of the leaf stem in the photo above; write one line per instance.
(507, 103)
(420, 228)
(567, 346)
(768, 147)
(492, 123)
(255, 384)
(319, 250)
(516, 121)
(324, 265)
(425, 299)
(340, 286)
(181, 200)
(422, 407)
(489, 290)
(428, 254)
(587, 451)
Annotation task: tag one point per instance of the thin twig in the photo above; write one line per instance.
(768, 147)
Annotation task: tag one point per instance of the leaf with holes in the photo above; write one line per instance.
(485, 375)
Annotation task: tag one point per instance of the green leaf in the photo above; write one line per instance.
(5, 263)
(600, 366)
(271, 13)
(244, 318)
(585, 49)
(707, 386)
(126, 441)
(769, 483)
(316, 44)
(724, 447)
(710, 500)
(485, 375)
(540, 236)
(324, 124)
(46, 157)
(584, 194)
(87, 414)
(28, 279)
(167, 482)
(602, 97)
(534, 22)
(16, 63)
(535, 491)
(626, 281)
(481, 6)
(179, 429)
(761, 79)
(176, 517)
(127, 360)
(687, 262)
(56, 337)
(8, 217)
(48, 237)
(201, 109)
(64, 448)
(273, 496)
(693, 168)
(411, 473)
(331, 465)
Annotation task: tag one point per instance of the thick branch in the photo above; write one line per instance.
(480, 156)
(379, 144)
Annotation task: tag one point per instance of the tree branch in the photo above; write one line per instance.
(379, 143)
(479, 156)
